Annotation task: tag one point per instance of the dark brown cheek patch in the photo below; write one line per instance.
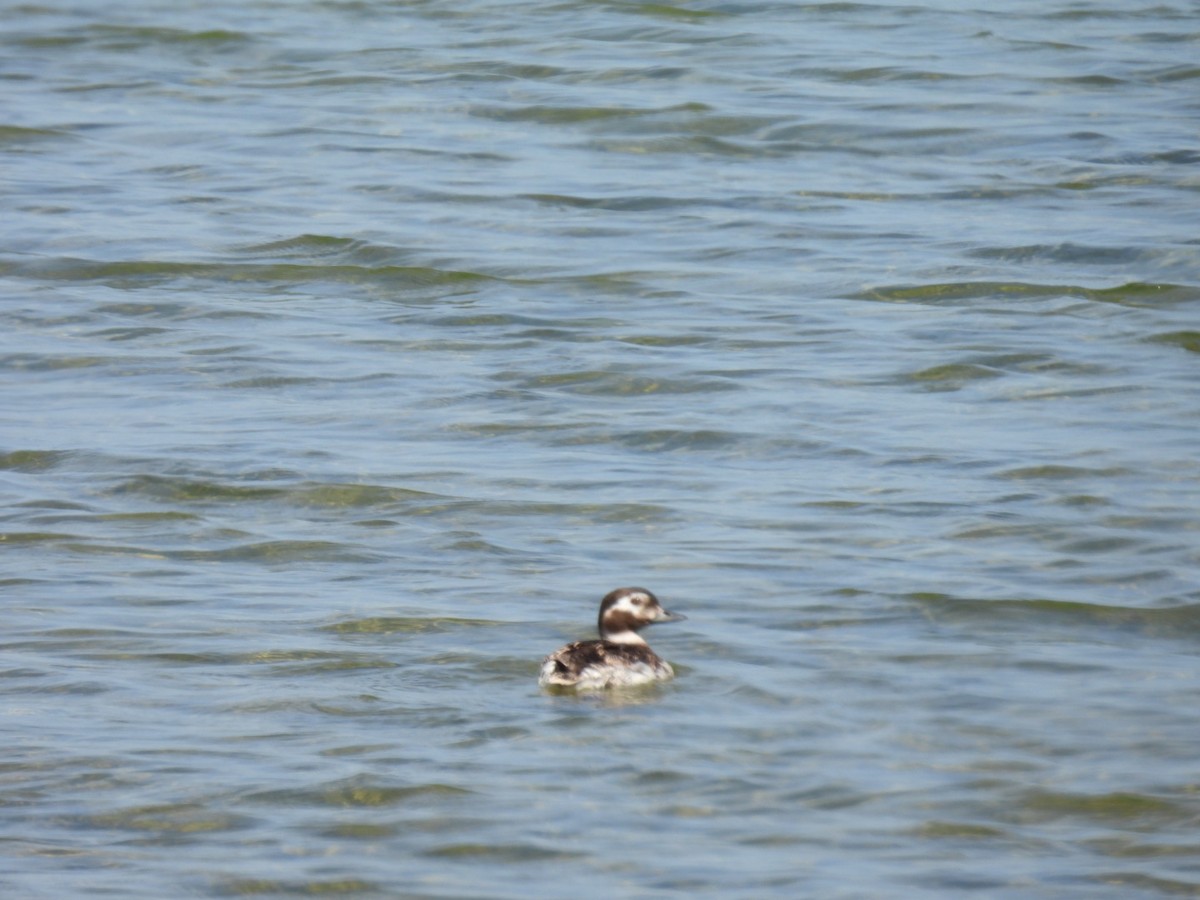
(620, 621)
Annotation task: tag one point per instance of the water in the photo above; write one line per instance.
(352, 351)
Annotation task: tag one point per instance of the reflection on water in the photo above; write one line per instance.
(350, 350)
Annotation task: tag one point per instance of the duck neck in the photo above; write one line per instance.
(624, 636)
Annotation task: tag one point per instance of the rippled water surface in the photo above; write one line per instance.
(350, 351)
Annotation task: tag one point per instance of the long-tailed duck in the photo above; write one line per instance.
(621, 657)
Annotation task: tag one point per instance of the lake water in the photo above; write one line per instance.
(351, 351)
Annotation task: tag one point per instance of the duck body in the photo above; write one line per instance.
(621, 658)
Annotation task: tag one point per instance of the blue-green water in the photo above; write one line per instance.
(350, 351)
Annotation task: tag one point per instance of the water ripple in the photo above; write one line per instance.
(353, 350)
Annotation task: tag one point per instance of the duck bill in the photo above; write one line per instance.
(667, 616)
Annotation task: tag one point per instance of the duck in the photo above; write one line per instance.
(621, 657)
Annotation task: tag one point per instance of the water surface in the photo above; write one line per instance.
(351, 351)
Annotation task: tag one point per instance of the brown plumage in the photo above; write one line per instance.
(621, 657)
